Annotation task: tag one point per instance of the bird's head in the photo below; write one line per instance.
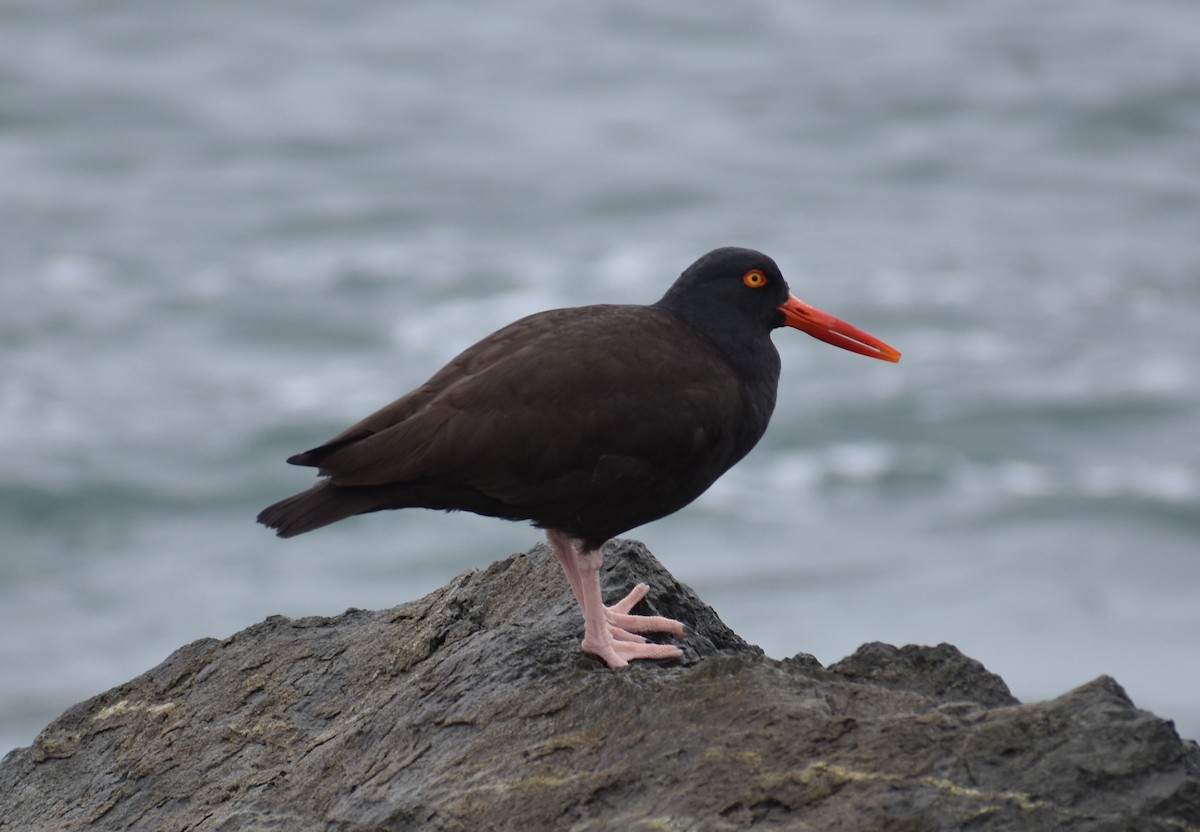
(742, 290)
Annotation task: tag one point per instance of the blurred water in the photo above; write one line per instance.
(226, 231)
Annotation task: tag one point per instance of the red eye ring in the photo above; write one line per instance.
(754, 279)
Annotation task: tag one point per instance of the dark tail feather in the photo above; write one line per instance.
(319, 506)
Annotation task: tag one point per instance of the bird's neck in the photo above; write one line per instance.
(744, 344)
(754, 359)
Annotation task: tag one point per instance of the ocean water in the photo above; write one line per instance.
(229, 230)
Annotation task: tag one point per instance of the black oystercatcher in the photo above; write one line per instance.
(587, 421)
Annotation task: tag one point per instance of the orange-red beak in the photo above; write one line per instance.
(818, 324)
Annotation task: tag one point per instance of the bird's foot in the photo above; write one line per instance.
(611, 633)
(619, 618)
(620, 653)
(620, 641)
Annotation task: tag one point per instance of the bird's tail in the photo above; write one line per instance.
(319, 506)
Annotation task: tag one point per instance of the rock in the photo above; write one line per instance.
(472, 708)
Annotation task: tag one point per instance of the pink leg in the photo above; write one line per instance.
(610, 632)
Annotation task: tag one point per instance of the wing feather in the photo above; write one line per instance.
(555, 402)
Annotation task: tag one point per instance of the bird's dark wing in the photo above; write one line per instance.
(569, 399)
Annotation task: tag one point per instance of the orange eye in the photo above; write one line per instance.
(754, 279)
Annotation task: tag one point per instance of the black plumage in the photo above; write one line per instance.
(586, 421)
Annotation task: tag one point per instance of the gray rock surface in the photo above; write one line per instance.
(472, 708)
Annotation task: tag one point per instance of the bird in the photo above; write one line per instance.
(587, 422)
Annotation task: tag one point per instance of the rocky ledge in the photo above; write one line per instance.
(473, 709)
